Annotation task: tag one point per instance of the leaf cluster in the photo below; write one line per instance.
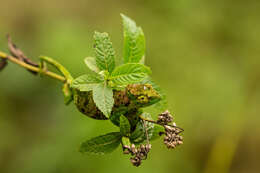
(107, 77)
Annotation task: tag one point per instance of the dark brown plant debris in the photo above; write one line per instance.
(17, 53)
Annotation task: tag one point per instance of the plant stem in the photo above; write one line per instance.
(146, 133)
(155, 122)
(32, 68)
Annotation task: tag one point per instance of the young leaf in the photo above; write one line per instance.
(129, 73)
(101, 144)
(104, 52)
(103, 98)
(124, 126)
(86, 82)
(134, 41)
(91, 63)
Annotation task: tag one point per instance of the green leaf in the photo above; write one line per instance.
(134, 41)
(101, 144)
(103, 98)
(124, 126)
(86, 82)
(129, 73)
(91, 63)
(104, 52)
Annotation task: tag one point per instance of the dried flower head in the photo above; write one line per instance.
(138, 154)
(172, 137)
(165, 118)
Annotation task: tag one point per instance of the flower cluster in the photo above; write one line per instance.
(172, 137)
(138, 154)
(165, 118)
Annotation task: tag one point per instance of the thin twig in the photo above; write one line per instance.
(155, 122)
(146, 133)
(32, 68)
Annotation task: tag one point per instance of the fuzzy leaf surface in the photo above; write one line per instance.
(87, 82)
(104, 52)
(129, 73)
(134, 41)
(103, 98)
(101, 144)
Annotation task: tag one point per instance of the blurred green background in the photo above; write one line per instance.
(204, 54)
